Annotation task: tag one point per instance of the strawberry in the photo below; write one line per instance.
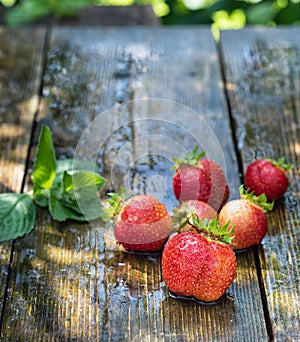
(198, 178)
(248, 216)
(141, 223)
(197, 264)
(187, 209)
(269, 177)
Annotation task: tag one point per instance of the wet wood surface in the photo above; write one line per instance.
(263, 82)
(239, 100)
(21, 64)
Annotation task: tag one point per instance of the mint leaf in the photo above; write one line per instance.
(17, 216)
(76, 180)
(81, 192)
(57, 206)
(76, 196)
(69, 187)
(44, 168)
(41, 196)
(71, 164)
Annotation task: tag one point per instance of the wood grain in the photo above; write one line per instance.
(21, 53)
(71, 281)
(262, 70)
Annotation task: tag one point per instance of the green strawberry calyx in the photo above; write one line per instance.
(191, 159)
(212, 229)
(280, 163)
(260, 201)
(113, 205)
(185, 219)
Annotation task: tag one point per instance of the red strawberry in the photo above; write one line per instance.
(187, 209)
(194, 265)
(142, 224)
(200, 179)
(269, 177)
(248, 217)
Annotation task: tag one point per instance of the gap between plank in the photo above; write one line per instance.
(232, 121)
(263, 293)
(241, 175)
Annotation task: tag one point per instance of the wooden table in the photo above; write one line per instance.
(70, 281)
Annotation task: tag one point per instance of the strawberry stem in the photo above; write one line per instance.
(191, 159)
(260, 201)
(212, 229)
(113, 206)
(181, 217)
(281, 163)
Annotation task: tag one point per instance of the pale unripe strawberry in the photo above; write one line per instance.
(248, 217)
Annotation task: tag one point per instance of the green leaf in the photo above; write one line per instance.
(26, 12)
(41, 196)
(57, 206)
(68, 7)
(80, 193)
(76, 196)
(17, 216)
(64, 165)
(289, 14)
(44, 167)
(69, 187)
(76, 180)
(71, 164)
(261, 13)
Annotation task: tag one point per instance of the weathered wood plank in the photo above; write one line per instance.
(21, 53)
(71, 281)
(262, 69)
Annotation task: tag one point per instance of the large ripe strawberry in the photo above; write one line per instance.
(199, 266)
(267, 176)
(186, 210)
(141, 223)
(248, 216)
(200, 179)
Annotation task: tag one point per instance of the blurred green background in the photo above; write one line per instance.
(220, 14)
